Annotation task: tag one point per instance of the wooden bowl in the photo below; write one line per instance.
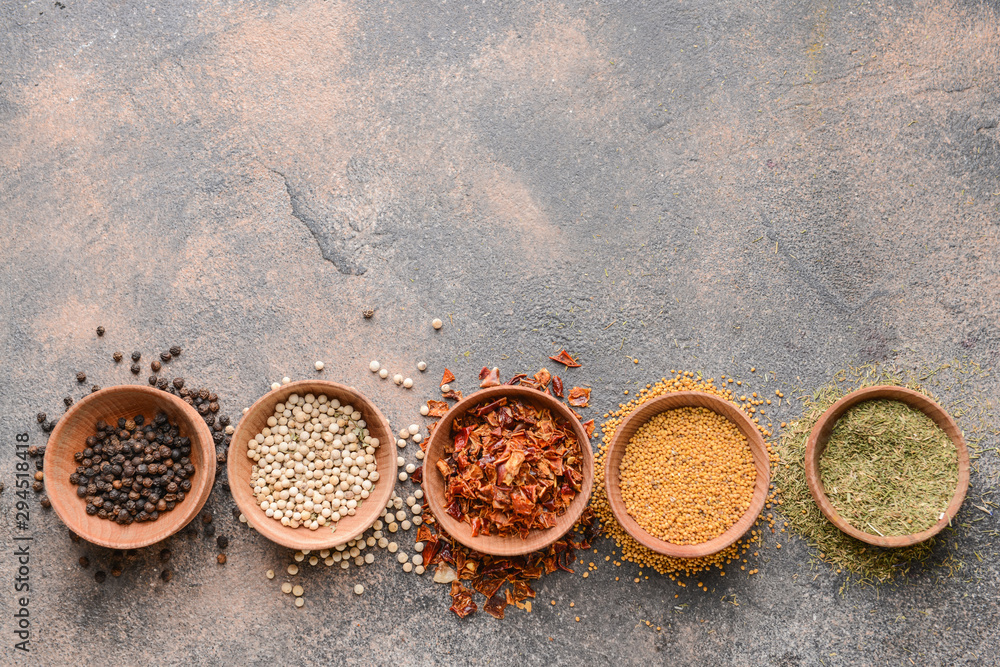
(653, 407)
(820, 436)
(78, 424)
(348, 528)
(495, 545)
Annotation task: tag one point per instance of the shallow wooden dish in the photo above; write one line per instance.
(651, 408)
(495, 545)
(348, 528)
(110, 404)
(820, 436)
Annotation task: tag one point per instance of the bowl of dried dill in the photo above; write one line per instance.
(888, 466)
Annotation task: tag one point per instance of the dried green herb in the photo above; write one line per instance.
(889, 469)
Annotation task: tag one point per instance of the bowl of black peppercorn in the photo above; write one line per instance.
(129, 466)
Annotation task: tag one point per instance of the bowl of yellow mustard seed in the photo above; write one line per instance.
(687, 474)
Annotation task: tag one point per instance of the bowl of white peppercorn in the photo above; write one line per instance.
(312, 464)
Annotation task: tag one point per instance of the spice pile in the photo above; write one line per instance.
(889, 469)
(687, 475)
(134, 472)
(631, 550)
(314, 462)
(864, 563)
(510, 468)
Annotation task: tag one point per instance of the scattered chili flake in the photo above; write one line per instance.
(563, 358)
(489, 377)
(436, 408)
(579, 396)
(588, 427)
(453, 395)
(489, 575)
(448, 377)
(510, 468)
(517, 379)
(542, 378)
(557, 386)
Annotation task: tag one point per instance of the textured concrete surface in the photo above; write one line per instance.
(690, 184)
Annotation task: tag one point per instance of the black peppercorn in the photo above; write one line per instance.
(210, 530)
(368, 313)
(166, 575)
(40, 417)
(165, 356)
(81, 377)
(152, 380)
(163, 384)
(116, 569)
(100, 576)
(155, 365)
(68, 401)
(165, 555)
(84, 561)
(100, 331)
(117, 356)
(222, 541)
(206, 517)
(46, 503)
(38, 487)
(175, 350)
(137, 355)
(95, 388)
(179, 383)
(135, 369)
(221, 559)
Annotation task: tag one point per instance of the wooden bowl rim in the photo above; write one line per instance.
(820, 435)
(284, 535)
(152, 531)
(495, 545)
(672, 401)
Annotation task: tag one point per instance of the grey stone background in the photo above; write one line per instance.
(702, 185)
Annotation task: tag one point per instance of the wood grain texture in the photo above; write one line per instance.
(631, 424)
(349, 527)
(820, 436)
(495, 545)
(110, 404)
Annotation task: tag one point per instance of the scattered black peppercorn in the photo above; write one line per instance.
(175, 350)
(178, 383)
(48, 426)
(155, 366)
(137, 355)
(40, 417)
(33, 450)
(37, 487)
(68, 401)
(81, 377)
(84, 561)
(116, 569)
(167, 575)
(46, 503)
(206, 517)
(95, 388)
(152, 380)
(165, 356)
(222, 541)
(221, 559)
(100, 331)
(135, 369)
(165, 555)
(100, 576)
(210, 530)
(117, 356)
(368, 313)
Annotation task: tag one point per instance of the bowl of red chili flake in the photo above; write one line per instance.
(509, 470)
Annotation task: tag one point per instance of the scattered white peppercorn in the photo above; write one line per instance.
(393, 547)
(313, 560)
(402, 557)
(400, 461)
(270, 574)
(319, 365)
(384, 373)
(403, 477)
(374, 366)
(418, 559)
(293, 569)
(410, 468)
(413, 429)
(445, 388)
(404, 434)
(405, 524)
(401, 443)
(397, 378)
(407, 383)
(419, 569)
(437, 323)
(286, 587)
(359, 589)
(424, 410)
(297, 591)
(421, 366)
(407, 567)
(286, 380)
(418, 547)
(418, 494)
(419, 454)
(299, 602)
(299, 556)
(274, 385)
(417, 438)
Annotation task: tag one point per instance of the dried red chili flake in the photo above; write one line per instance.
(447, 377)
(489, 575)
(579, 396)
(489, 377)
(542, 378)
(517, 379)
(452, 395)
(436, 408)
(557, 386)
(588, 427)
(510, 468)
(563, 358)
